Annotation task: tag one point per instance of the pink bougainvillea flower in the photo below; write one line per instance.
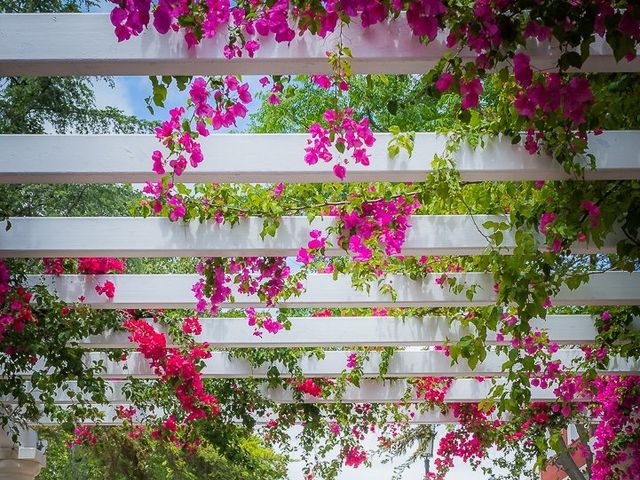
(545, 220)
(470, 92)
(444, 82)
(522, 70)
(339, 171)
(352, 360)
(323, 81)
(354, 457)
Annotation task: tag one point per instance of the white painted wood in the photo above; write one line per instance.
(401, 365)
(37, 237)
(359, 331)
(174, 291)
(14, 465)
(22, 460)
(462, 390)
(279, 158)
(109, 417)
(73, 44)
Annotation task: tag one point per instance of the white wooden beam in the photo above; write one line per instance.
(461, 390)
(174, 291)
(359, 331)
(36, 237)
(109, 417)
(401, 365)
(85, 44)
(271, 158)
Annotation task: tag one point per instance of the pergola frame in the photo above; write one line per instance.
(73, 44)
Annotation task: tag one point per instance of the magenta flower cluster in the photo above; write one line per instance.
(345, 135)
(262, 276)
(380, 224)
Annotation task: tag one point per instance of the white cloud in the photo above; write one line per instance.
(117, 97)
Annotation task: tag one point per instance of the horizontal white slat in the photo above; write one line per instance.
(462, 390)
(402, 364)
(359, 331)
(72, 44)
(157, 237)
(174, 291)
(248, 158)
(109, 415)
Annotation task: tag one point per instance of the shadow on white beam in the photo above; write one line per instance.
(359, 331)
(271, 158)
(401, 365)
(174, 291)
(85, 44)
(37, 237)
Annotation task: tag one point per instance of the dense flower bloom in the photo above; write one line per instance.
(310, 387)
(444, 82)
(191, 325)
(100, 265)
(470, 92)
(522, 69)
(350, 136)
(175, 367)
(354, 457)
(422, 17)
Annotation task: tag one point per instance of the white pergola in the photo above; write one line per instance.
(84, 44)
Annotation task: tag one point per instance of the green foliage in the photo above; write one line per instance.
(117, 456)
(37, 105)
(412, 108)
(62, 105)
(400, 104)
(46, 6)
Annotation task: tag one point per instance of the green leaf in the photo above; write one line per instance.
(392, 106)
(159, 95)
(393, 150)
(570, 59)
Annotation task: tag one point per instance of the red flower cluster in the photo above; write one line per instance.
(309, 387)
(15, 309)
(89, 266)
(354, 457)
(433, 389)
(108, 289)
(176, 368)
(83, 435)
(99, 266)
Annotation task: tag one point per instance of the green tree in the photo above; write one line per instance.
(38, 105)
(116, 456)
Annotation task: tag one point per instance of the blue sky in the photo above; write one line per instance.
(129, 92)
